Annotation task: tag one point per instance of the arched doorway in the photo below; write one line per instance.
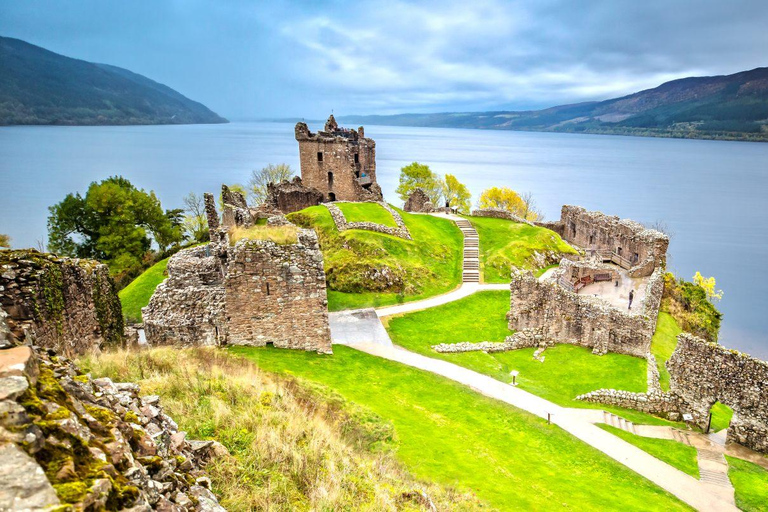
(331, 197)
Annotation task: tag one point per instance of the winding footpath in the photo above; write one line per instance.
(362, 329)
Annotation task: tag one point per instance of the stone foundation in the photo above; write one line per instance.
(401, 231)
(68, 305)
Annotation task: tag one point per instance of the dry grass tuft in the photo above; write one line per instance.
(296, 446)
(281, 235)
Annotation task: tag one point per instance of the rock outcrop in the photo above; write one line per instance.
(68, 440)
(419, 202)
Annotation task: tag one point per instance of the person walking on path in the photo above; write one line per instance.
(631, 296)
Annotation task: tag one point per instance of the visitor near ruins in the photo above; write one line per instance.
(383, 257)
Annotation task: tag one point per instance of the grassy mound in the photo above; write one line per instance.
(505, 244)
(663, 344)
(138, 292)
(454, 436)
(366, 212)
(294, 446)
(750, 482)
(678, 455)
(567, 371)
(367, 269)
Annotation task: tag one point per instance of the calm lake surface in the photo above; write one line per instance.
(712, 195)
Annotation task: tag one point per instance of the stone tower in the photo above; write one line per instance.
(339, 162)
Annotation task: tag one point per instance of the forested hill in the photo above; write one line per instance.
(41, 87)
(733, 107)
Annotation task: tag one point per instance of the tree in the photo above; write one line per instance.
(709, 286)
(112, 223)
(5, 241)
(531, 211)
(507, 199)
(416, 175)
(269, 174)
(195, 222)
(456, 194)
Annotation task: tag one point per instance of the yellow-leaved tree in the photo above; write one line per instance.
(456, 194)
(507, 199)
(709, 286)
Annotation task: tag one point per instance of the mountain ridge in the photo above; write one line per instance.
(38, 86)
(729, 107)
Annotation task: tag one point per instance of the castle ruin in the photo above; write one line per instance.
(339, 162)
(254, 292)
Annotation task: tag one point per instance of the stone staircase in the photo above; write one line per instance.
(713, 468)
(619, 422)
(471, 266)
(680, 437)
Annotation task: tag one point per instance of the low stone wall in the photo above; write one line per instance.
(59, 425)
(703, 373)
(666, 405)
(652, 374)
(499, 213)
(526, 338)
(68, 305)
(187, 309)
(401, 231)
(566, 317)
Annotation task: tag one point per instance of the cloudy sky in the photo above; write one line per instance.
(257, 58)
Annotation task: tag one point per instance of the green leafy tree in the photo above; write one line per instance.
(456, 194)
(195, 222)
(113, 223)
(416, 175)
(5, 241)
(261, 178)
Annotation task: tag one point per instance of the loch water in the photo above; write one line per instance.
(710, 194)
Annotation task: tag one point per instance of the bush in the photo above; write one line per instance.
(688, 304)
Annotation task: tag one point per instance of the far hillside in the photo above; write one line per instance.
(38, 86)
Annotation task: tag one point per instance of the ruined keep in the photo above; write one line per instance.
(703, 373)
(339, 162)
(254, 292)
(559, 315)
(292, 196)
(621, 241)
(64, 304)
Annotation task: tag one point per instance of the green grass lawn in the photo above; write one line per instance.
(663, 344)
(367, 269)
(567, 371)
(137, 294)
(454, 436)
(366, 212)
(505, 244)
(750, 482)
(721, 417)
(678, 455)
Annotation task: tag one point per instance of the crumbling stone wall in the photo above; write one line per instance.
(400, 231)
(292, 196)
(236, 211)
(419, 202)
(339, 162)
(276, 294)
(68, 305)
(499, 213)
(188, 308)
(566, 317)
(623, 241)
(81, 444)
(254, 292)
(703, 373)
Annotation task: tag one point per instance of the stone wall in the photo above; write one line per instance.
(188, 308)
(665, 405)
(703, 373)
(340, 163)
(236, 211)
(623, 241)
(499, 213)
(418, 202)
(80, 444)
(566, 317)
(400, 231)
(68, 305)
(276, 294)
(292, 196)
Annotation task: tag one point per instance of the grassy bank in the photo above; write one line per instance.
(505, 244)
(137, 294)
(366, 212)
(678, 455)
(567, 370)
(367, 269)
(750, 482)
(294, 446)
(451, 435)
(663, 344)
